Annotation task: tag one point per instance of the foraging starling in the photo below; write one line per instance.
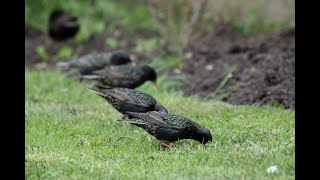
(91, 62)
(124, 76)
(62, 25)
(169, 128)
(124, 100)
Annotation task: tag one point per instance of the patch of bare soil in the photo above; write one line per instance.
(245, 70)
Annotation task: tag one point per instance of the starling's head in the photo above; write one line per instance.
(120, 57)
(160, 108)
(150, 74)
(55, 15)
(203, 135)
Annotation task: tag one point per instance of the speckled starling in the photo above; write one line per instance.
(125, 76)
(169, 128)
(91, 62)
(62, 25)
(124, 100)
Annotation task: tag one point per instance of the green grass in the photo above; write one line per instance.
(73, 134)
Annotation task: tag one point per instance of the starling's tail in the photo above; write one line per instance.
(91, 77)
(153, 117)
(97, 89)
(132, 121)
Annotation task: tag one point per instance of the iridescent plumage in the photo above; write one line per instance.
(125, 76)
(168, 127)
(124, 100)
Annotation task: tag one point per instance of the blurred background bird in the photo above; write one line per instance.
(126, 76)
(169, 128)
(94, 61)
(62, 25)
(124, 100)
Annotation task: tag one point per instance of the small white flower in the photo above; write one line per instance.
(272, 169)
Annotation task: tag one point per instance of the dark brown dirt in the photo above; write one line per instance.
(264, 68)
(240, 70)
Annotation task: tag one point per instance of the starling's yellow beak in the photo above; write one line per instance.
(156, 84)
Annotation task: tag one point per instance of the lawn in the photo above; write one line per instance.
(71, 133)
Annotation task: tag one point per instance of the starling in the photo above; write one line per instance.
(62, 25)
(124, 100)
(124, 76)
(169, 128)
(92, 62)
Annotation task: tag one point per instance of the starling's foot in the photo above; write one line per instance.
(167, 144)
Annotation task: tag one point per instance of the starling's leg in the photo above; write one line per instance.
(78, 84)
(167, 144)
(49, 42)
(79, 80)
(123, 118)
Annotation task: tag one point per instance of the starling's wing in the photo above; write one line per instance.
(179, 128)
(132, 100)
(169, 133)
(142, 98)
(123, 72)
(99, 60)
(123, 95)
(77, 62)
(175, 120)
(152, 117)
(83, 61)
(132, 97)
(125, 107)
(114, 72)
(93, 60)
